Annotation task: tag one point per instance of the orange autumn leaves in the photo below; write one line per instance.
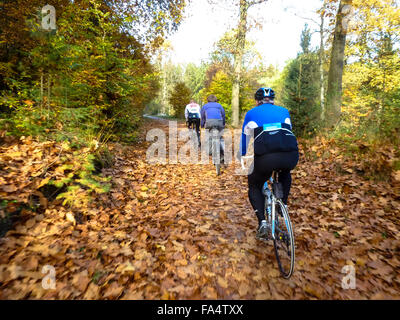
(180, 232)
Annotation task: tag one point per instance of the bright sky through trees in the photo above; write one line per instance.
(278, 40)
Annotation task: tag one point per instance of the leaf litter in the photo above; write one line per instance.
(179, 232)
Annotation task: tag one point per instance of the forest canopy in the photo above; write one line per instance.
(92, 75)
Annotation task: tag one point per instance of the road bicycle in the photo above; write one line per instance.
(279, 225)
(196, 135)
(216, 146)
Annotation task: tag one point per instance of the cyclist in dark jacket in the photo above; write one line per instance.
(275, 148)
(212, 113)
(213, 116)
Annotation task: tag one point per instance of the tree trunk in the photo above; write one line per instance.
(41, 92)
(381, 107)
(241, 41)
(165, 109)
(299, 80)
(164, 93)
(321, 67)
(334, 92)
(48, 97)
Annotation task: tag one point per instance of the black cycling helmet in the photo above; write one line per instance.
(263, 93)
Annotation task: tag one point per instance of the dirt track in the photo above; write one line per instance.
(180, 232)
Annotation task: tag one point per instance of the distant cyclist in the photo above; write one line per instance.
(193, 116)
(275, 148)
(213, 117)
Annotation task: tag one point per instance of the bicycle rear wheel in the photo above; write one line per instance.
(284, 240)
(216, 154)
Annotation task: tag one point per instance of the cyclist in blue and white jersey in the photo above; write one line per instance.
(193, 116)
(275, 148)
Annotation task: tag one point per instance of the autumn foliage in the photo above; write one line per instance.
(77, 193)
(180, 232)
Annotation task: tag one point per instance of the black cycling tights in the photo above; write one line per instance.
(263, 167)
(196, 122)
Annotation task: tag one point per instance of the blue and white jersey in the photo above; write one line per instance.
(192, 110)
(272, 130)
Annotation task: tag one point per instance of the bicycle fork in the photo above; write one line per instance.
(272, 217)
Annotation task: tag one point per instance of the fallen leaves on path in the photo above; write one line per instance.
(180, 232)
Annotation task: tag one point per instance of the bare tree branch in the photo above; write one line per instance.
(255, 2)
(306, 18)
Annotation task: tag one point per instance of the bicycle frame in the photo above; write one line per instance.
(215, 143)
(276, 195)
(215, 140)
(273, 211)
(193, 128)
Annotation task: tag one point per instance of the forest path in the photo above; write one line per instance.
(173, 231)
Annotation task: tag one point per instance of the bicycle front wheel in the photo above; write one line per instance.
(284, 240)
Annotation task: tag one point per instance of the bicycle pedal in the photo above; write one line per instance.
(265, 238)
